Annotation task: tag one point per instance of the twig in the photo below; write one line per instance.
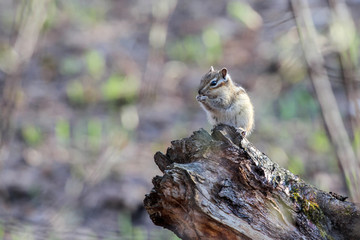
(328, 105)
(17, 57)
(342, 19)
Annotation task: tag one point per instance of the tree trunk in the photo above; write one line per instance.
(220, 186)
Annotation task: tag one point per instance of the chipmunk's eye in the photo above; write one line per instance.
(213, 83)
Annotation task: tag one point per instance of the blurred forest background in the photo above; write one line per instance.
(91, 89)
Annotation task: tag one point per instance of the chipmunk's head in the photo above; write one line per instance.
(215, 83)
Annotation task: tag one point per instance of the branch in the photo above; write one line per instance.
(220, 186)
(16, 58)
(329, 108)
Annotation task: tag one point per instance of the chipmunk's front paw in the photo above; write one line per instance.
(201, 98)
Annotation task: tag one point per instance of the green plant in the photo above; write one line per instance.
(212, 41)
(125, 224)
(26, 233)
(95, 63)
(75, 92)
(189, 49)
(32, 135)
(297, 103)
(120, 87)
(62, 130)
(94, 132)
(319, 142)
(244, 13)
(2, 231)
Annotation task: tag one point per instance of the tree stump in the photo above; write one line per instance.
(220, 186)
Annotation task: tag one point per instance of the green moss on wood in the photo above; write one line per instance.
(310, 209)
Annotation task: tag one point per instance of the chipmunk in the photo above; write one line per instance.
(225, 102)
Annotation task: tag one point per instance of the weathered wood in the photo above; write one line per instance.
(220, 186)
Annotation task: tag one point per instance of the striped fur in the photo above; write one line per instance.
(225, 102)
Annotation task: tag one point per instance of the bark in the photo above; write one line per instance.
(220, 186)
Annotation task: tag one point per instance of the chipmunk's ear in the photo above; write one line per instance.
(224, 72)
(211, 69)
